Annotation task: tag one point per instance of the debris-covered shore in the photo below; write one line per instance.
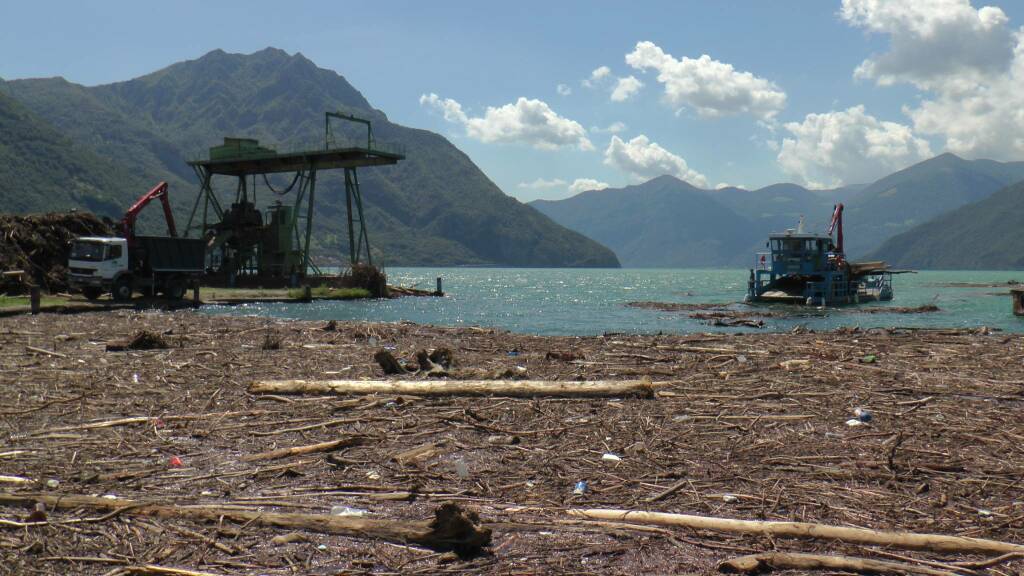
(160, 460)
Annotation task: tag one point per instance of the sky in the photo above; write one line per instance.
(553, 98)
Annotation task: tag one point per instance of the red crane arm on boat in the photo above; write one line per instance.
(837, 222)
(158, 191)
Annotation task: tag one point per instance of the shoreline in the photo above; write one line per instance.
(748, 426)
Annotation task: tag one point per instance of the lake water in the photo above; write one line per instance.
(592, 301)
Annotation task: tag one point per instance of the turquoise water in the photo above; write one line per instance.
(591, 301)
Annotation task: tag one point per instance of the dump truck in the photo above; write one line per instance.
(123, 265)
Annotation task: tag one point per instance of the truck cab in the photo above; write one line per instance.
(96, 264)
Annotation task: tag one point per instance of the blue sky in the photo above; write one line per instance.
(823, 93)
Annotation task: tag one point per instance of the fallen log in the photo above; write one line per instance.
(768, 561)
(451, 529)
(515, 388)
(807, 530)
(307, 449)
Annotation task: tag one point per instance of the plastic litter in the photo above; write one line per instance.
(854, 422)
(741, 359)
(609, 457)
(513, 353)
(984, 512)
(863, 414)
(869, 359)
(462, 469)
(730, 498)
(348, 511)
(135, 378)
(322, 547)
(52, 483)
(581, 488)
(175, 462)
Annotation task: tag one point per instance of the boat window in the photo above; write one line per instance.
(791, 245)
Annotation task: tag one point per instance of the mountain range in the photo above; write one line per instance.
(983, 235)
(66, 146)
(666, 222)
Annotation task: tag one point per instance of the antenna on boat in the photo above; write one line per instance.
(800, 225)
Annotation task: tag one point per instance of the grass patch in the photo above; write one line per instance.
(327, 293)
(12, 301)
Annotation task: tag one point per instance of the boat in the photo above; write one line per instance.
(810, 269)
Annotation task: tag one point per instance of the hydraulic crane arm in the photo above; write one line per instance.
(837, 223)
(158, 191)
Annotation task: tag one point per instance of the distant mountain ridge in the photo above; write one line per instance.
(434, 208)
(663, 222)
(983, 235)
(688, 230)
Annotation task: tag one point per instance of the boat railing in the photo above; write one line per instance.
(763, 261)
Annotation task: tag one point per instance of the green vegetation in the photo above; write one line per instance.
(327, 293)
(435, 208)
(984, 235)
(14, 301)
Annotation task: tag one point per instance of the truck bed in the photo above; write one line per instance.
(164, 254)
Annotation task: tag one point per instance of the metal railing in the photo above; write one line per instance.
(762, 261)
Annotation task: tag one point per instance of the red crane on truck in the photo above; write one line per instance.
(128, 221)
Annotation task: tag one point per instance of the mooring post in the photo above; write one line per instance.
(307, 293)
(34, 296)
(195, 294)
(439, 291)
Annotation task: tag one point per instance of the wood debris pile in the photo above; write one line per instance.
(39, 244)
(168, 461)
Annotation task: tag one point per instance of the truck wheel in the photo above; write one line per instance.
(174, 288)
(122, 291)
(92, 292)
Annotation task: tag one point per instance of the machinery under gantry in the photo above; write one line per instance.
(270, 246)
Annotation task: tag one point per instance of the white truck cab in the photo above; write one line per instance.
(96, 263)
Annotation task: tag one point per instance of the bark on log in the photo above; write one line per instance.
(307, 449)
(906, 540)
(515, 388)
(768, 561)
(451, 529)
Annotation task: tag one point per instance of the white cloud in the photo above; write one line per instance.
(933, 42)
(542, 184)
(599, 74)
(563, 90)
(969, 62)
(710, 87)
(984, 122)
(451, 109)
(613, 128)
(625, 88)
(645, 159)
(847, 147)
(525, 121)
(583, 184)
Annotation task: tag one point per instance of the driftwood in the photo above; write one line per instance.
(768, 561)
(519, 388)
(307, 449)
(451, 528)
(907, 540)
